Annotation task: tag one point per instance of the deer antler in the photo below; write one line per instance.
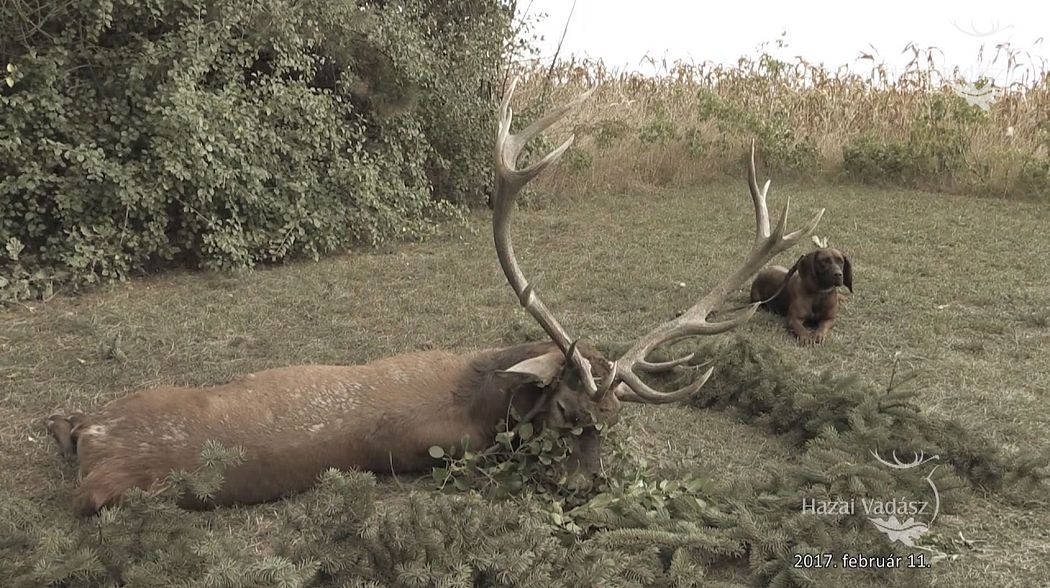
(509, 182)
(695, 321)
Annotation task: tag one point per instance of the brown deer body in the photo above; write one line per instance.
(293, 423)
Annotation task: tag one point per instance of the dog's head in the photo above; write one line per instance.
(826, 268)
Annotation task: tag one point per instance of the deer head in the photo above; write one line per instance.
(584, 380)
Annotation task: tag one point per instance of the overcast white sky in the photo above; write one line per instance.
(621, 32)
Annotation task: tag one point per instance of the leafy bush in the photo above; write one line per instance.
(520, 458)
(1014, 171)
(229, 133)
(935, 150)
(657, 131)
(609, 132)
(873, 160)
(783, 148)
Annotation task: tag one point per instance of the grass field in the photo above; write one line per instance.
(958, 287)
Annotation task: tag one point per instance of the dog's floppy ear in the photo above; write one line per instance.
(805, 266)
(847, 273)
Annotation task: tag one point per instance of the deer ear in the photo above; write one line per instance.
(541, 370)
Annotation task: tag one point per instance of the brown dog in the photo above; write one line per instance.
(809, 299)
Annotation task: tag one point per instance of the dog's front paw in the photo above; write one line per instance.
(810, 339)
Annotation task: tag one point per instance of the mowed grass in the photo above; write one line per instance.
(956, 288)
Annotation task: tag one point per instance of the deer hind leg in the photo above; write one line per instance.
(103, 487)
(64, 430)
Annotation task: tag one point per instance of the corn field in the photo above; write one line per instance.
(688, 122)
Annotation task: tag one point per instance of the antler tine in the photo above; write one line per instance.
(694, 322)
(662, 366)
(509, 182)
(513, 144)
(758, 197)
(638, 391)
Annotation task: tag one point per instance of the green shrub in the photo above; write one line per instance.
(870, 159)
(609, 132)
(228, 133)
(940, 134)
(933, 153)
(782, 147)
(658, 131)
(1013, 171)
